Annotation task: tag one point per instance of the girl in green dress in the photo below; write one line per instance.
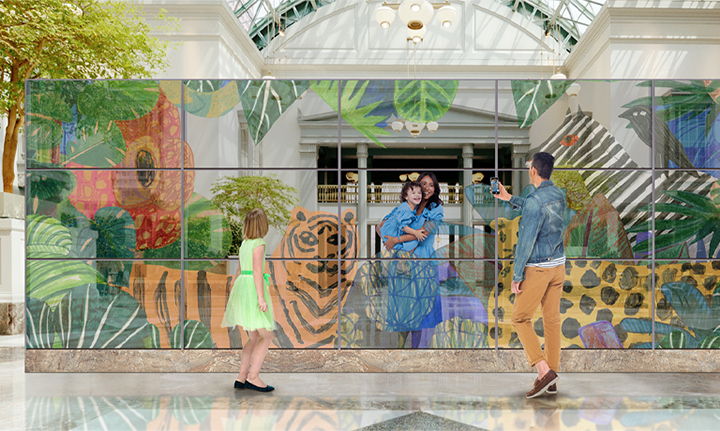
(249, 305)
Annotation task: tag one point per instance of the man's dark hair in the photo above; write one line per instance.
(543, 162)
(406, 189)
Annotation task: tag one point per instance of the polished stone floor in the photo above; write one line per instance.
(351, 401)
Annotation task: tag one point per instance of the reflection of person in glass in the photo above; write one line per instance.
(431, 210)
(403, 218)
(249, 304)
(428, 214)
(539, 271)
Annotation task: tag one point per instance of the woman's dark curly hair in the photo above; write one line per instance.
(406, 189)
(435, 198)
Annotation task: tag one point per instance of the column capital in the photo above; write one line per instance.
(520, 148)
(468, 151)
(362, 150)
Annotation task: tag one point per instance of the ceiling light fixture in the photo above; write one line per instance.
(416, 14)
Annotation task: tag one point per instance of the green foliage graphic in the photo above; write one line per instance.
(100, 317)
(533, 98)
(47, 189)
(47, 237)
(701, 218)
(210, 98)
(39, 324)
(358, 118)
(597, 232)
(196, 336)
(264, 101)
(118, 100)
(51, 280)
(424, 101)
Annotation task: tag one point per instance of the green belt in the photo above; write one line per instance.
(266, 276)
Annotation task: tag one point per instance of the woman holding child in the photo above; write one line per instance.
(409, 231)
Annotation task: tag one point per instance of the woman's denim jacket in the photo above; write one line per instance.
(541, 227)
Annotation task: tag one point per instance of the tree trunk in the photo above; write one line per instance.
(15, 122)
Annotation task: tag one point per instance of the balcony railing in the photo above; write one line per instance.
(381, 194)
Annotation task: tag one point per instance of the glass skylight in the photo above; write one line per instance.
(565, 20)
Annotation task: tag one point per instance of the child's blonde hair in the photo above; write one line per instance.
(255, 224)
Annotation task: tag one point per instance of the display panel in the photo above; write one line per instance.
(123, 174)
(397, 302)
(601, 302)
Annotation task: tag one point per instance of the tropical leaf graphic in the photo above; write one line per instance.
(100, 317)
(118, 100)
(196, 336)
(47, 237)
(49, 188)
(424, 101)
(206, 98)
(264, 101)
(533, 98)
(51, 280)
(99, 144)
(357, 117)
(597, 232)
(39, 324)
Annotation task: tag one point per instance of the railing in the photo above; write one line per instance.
(381, 194)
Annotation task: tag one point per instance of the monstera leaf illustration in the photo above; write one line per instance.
(100, 317)
(264, 101)
(357, 116)
(424, 101)
(534, 97)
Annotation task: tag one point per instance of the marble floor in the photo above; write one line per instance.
(351, 401)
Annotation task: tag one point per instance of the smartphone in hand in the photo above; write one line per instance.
(495, 185)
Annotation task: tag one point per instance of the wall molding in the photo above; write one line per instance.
(368, 361)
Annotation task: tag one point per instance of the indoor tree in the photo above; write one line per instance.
(70, 39)
(237, 196)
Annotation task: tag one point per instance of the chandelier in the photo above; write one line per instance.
(416, 14)
(414, 128)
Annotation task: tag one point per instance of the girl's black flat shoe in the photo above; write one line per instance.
(239, 385)
(267, 388)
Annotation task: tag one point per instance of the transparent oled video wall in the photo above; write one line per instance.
(136, 192)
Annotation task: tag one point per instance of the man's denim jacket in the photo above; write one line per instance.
(541, 227)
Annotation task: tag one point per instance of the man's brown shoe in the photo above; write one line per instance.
(551, 390)
(541, 385)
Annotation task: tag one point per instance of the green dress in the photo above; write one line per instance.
(242, 306)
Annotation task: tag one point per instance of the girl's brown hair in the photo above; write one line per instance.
(406, 189)
(255, 224)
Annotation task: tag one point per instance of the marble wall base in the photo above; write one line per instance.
(12, 318)
(366, 361)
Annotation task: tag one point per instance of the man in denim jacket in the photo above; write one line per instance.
(539, 271)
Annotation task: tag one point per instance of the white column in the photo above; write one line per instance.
(362, 207)
(467, 209)
(520, 152)
(308, 179)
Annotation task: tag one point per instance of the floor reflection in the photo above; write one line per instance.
(249, 411)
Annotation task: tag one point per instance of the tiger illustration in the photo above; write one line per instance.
(304, 284)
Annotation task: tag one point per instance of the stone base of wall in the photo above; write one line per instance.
(12, 318)
(366, 361)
